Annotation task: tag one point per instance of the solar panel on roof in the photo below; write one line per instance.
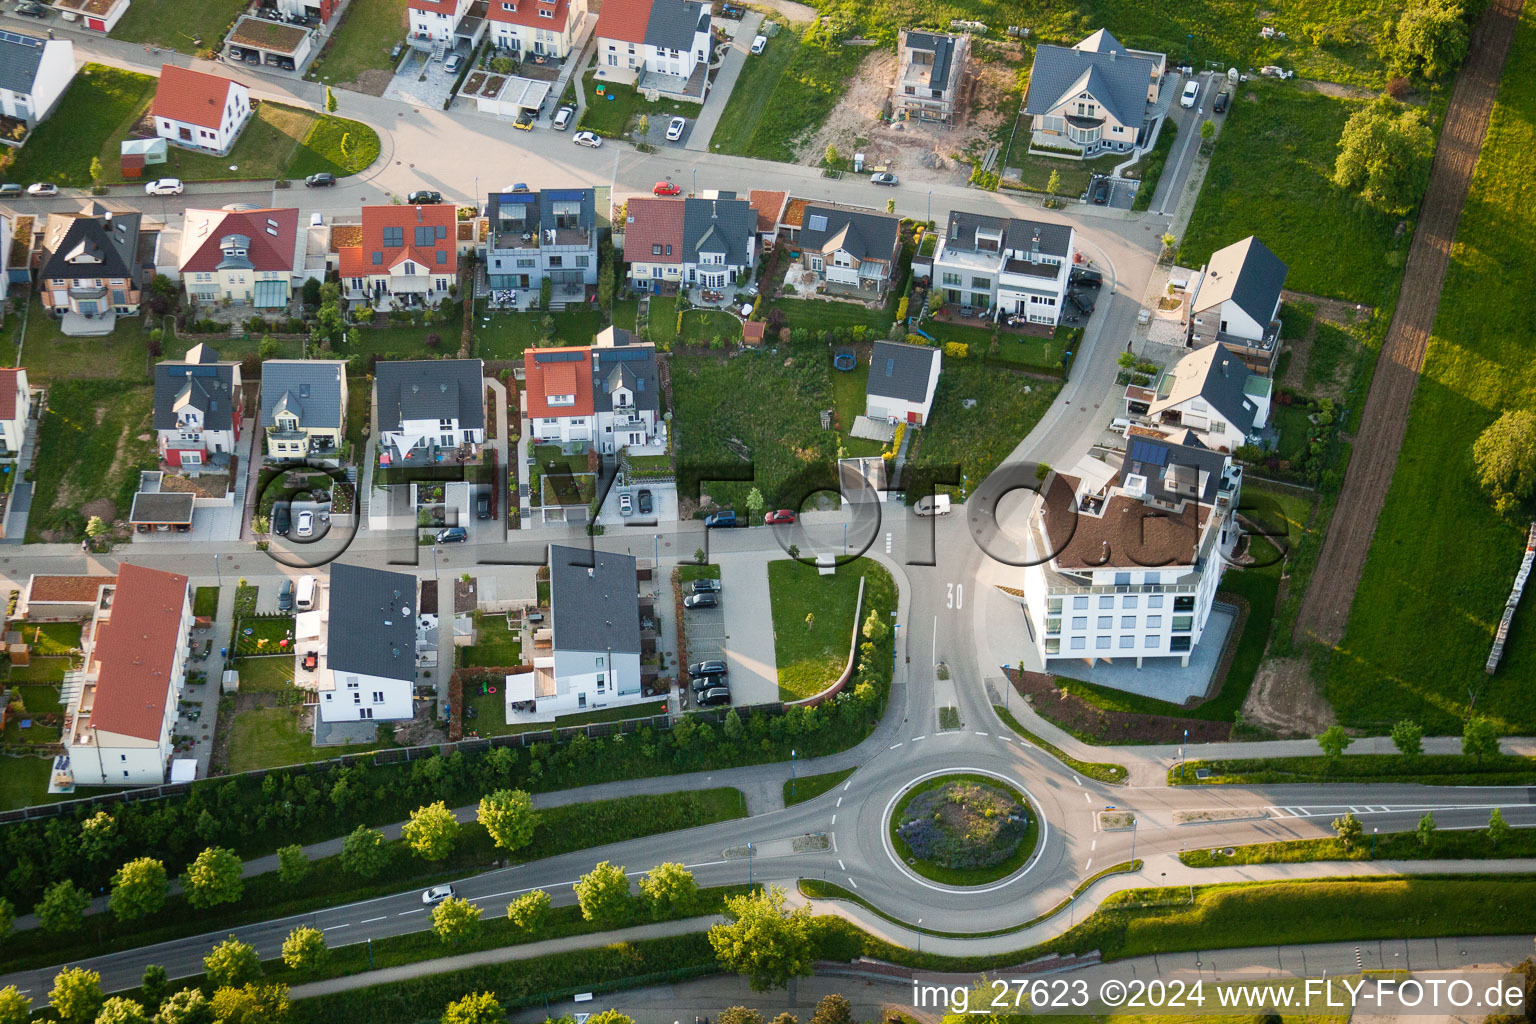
(517, 197)
(566, 194)
(1152, 454)
(559, 357)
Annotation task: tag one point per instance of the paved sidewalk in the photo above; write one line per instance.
(720, 93)
(573, 68)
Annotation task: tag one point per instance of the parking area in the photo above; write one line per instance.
(420, 79)
(663, 501)
(739, 631)
(657, 135)
(1116, 193)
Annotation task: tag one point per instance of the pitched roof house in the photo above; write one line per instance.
(902, 381)
(197, 408)
(1235, 300)
(854, 251)
(1093, 97)
(537, 28)
(89, 268)
(407, 256)
(427, 408)
(448, 22)
(303, 406)
(770, 206)
(1211, 394)
(364, 637)
(666, 42)
(15, 408)
(930, 68)
(719, 241)
(34, 72)
(608, 395)
(198, 110)
(241, 256)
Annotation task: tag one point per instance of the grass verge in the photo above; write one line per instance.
(966, 876)
(813, 622)
(1458, 845)
(809, 787)
(1101, 771)
(1425, 770)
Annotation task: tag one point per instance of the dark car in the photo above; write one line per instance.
(713, 681)
(11, 190)
(1080, 303)
(1087, 278)
(705, 587)
(31, 9)
(285, 597)
(325, 179)
(701, 601)
(282, 520)
(720, 519)
(706, 668)
(713, 698)
(452, 535)
(482, 506)
(1221, 103)
(647, 506)
(1101, 191)
(424, 197)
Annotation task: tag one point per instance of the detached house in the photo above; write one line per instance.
(608, 395)
(855, 252)
(902, 381)
(1211, 394)
(1235, 301)
(1015, 268)
(408, 256)
(303, 407)
(1092, 98)
(121, 707)
(245, 256)
(197, 408)
(15, 408)
(666, 43)
(444, 23)
(530, 28)
(198, 110)
(428, 411)
(34, 72)
(708, 243)
(89, 268)
(547, 234)
(357, 651)
(929, 72)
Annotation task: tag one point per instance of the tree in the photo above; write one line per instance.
(830, 157)
(120, 1010)
(304, 949)
(643, 126)
(669, 888)
(1053, 183)
(94, 527)
(15, 1008)
(366, 853)
(330, 101)
(7, 918)
(1348, 829)
(292, 865)
(1426, 828)
(1498, 828)
(764, 939)
(509, 817)
(1429, 40)
(1504, 456)
(454, 919)
(875, 628)
(251, 1004)
(739, 1015)
(232, 963)
(603, 893)
(890, 206)
(1408, 737)
(98, 837)
(754, 502)
(269, 348)
(1334, 741)
(833, 1009)
(1480, 738)
(138, 889)
(189, 1006)
(154, 984)
(213, 878)
(610, 1017)
(95, 171)
(62, 908)
(529, 910)
(475, 1008)
(1384, 155)
(76, 995)
(431, 831)
(1207, 131)
(785, 1018)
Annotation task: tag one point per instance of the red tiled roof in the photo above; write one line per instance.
(136, 649)
(752, 332)
(769, 205)
(544, 377)
(530, 13)
(357, 261)
(436, 6)
(67, 588)
(193, 97)
(10, 383)
(624, 20)
(271, 246)
(653, 222)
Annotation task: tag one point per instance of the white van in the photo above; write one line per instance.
(304, 600)
(938, 505)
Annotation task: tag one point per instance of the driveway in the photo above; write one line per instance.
(700, 131)
(663, 505)
(748, 644)
(419, 79)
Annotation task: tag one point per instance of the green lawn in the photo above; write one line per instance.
(270, 738)
(508, 335)
(817, 315)
(496, 646)
(264, 635)
(1426, 769)
(811, 655)
(1442, 562)
(205, 601)
(1270, 177)
(848, 398)
(803, 94)
(976, 440)
(24, 782)
(38, 733)
(808, 787)
(89, 447)
(1073, 175)
(368, 30)
(49, 671)
(266, 674)
(1102, 771)
(1458, 845)
(748, 104)
(702, 326)
(41, 699)
(100, 103)
(1030, 352)
(611, 113)
(50, 355)
(52, 638)
(179, 25)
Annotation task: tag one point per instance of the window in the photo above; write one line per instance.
(378, 696)
(1079, 622)
(1106, 601)
(365, 713)
(1053, 647)
(1127, 642)
(1053, 626)
(1154, 600)
(1152, 642)
(1122, 579)
(1184, 603)
(1179, 643)
(985, 284)
(1106, 622)
(583, 261)
(1154, 622)
(1101, 643)
(581, 700)
(1079, 643)
(394, 237)
(357, 698)
(1129, 601)
(656, 249)
(123, 757)
(1183, 623)
(1127, 622)
(1053, 605)
(1080, 602)
(950, 278)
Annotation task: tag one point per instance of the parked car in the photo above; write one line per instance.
(1191, 93)
(720, 519)
(706, 668)
(42, 188)
(759, 44)
(424, 197)
(396, 51)
(1220, 106)
(665, 188)
(1086, 278)
(712, 681)
(165, 187)
(282, 520)
(591, 140)
(437, 894)
(562, 119)
(453, 63)
(1081, 303)
(705, 586)
(938, 505)
(626, 504)
(482, 506)
(235, 53)
(647, 506)
(325, 179)
(305, 527)
(524, 122)
(1101, 189)
(31, 10)
(11, 190)
(782, 516)
(676, 127)
(285, 597)
(713, 698)
(884, 178)
(452, 535)
(521, 186)
(701, 601)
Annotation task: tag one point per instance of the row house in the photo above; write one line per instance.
(536, 28)
(356, 649)
(549, 234)
(608, 395)
(686, 243)
(406, 256)
(1235, 301)
(1211, 393)
(666, 43)
(197, 409)
(15, 409)
(34, 72)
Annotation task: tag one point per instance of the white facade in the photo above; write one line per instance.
(55, 70)
(14, 430)
(426, 433)
(591, 679)
(213, 138)
(999, 269)
(658, 60)
(436, 22)
(359, 698)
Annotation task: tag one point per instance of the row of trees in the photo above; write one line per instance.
(1479, 739)
(1351, 832)
(77, 998)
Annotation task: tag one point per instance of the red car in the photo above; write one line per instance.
(783, 515)
(666, 188)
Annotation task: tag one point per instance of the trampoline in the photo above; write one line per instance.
(846, 361)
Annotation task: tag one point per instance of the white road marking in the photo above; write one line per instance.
(336, 927)
(840, 865)
(1094, 845)
(1087, 799)
(371, 920)
(894, 746)
(1077, 780)
(839, 802)
(846, 785)
(1089, 864)
(418, 910)
(979, 733)
(852, 882)
(834, 819)
(918, 739)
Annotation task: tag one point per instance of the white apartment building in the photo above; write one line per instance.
(1009, 266)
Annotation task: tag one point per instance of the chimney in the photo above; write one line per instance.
(107, 216)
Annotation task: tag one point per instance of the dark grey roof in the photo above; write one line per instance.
(372, 627)
(20, 57)
(1174, 471)
(862, 235)
(1116, 79)
(898, 370)
(531, 211)
(1215, 373)
(102, 248)
(312, 388)
(1022, 236)
(635, 367)
(594, 600)
(430, 389)
(718, 226)
(672, 23)
(943, 48)
(1247, 273)
(162, 507)
(204, 385)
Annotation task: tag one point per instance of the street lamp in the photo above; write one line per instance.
(919, 935)
(1187, 37)
(845, 540)
(791, 773)
(930, 207)
(217, 571)
(750, 848)
(695, 182)
(1374, 832)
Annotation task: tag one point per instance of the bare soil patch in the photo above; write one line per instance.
(1330, 311)
(1345, 92)
(1285, 699)
(370, 83)
(105, 508)
(1084, 719)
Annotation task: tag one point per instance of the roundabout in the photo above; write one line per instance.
(963, 828)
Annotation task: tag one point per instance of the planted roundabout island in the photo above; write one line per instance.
(964, 828)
